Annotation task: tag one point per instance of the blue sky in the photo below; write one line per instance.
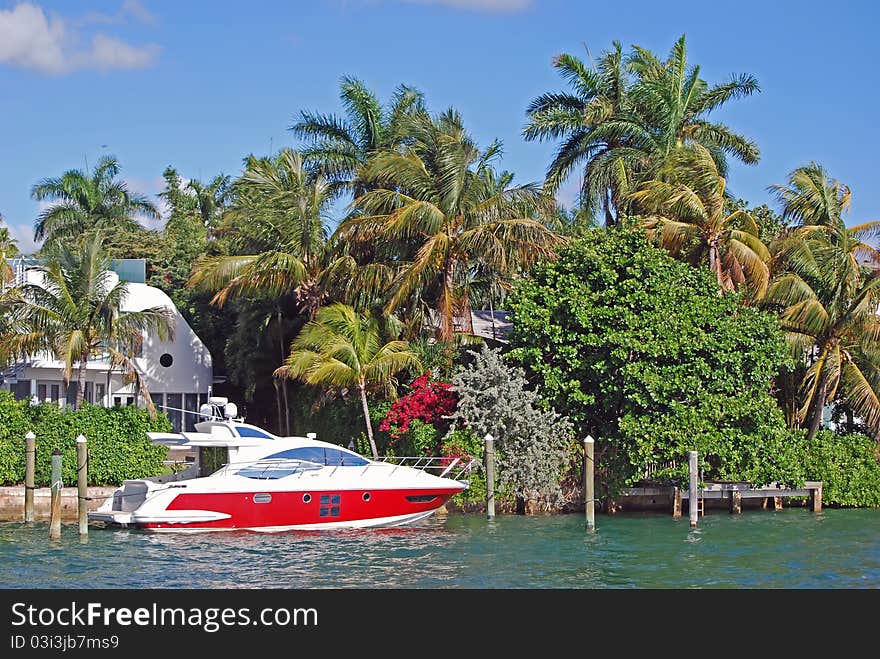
(198, 85)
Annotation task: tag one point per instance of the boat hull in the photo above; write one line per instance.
(277, 511)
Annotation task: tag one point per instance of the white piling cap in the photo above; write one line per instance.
(81, 439)
(589, 439)
(30, 435)
(489, 438)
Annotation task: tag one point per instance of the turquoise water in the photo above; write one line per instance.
(786, 549)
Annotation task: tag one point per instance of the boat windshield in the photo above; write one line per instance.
(247, 431)
(330, 457)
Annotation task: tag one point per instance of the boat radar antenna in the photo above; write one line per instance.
(217, 408)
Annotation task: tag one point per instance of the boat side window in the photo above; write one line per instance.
(244, 431)
(322, 456)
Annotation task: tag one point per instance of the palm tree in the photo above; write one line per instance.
(582, 118)
(441, 204)
(76, 313)
(83, 203)
(688, 216)
(277, 223)
(828, 290)
(339, 147)
(343, 348)
(627, 115)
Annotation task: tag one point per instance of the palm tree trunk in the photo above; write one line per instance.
(367, 420)
(81, 381)
(714, 262)
(817, 406)
(446, 307)
(283, 381)
(278, 403)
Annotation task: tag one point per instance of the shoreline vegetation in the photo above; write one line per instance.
(659, 314)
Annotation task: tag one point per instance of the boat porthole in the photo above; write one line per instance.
(307, 498)
(366, 496)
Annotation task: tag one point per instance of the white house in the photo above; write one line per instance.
(178, 373)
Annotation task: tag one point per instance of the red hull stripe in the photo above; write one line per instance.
(304, 507)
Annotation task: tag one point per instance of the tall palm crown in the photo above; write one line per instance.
(828, 290)
(277, 224)
(8, 249)
(83, 203)
(439, 203)
(76, 313)
(343, 348)
(627, 115)
(686, 210)
(339, 147)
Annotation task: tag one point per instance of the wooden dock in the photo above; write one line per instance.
(731, 493)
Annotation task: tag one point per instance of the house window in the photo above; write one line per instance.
(87, 397)
(21, 390)
(55, 392)
(100, 392)
(192, 405)
(173, 405)
(117, 401)
(43, 393)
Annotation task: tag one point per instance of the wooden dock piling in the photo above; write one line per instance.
(489, 461)
(736, 502)
(55, 507)
(777, 503)
(589, 491)
(30, 461)
(676, 502)
(693, 506)
(816, 499)
(82, 484)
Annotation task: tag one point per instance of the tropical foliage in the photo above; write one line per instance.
(828, 291)
(641, 352)
(626, 115)
(82, 203)
(441, 204)
(342, 348)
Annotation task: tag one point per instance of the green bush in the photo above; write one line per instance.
(118, 445)
(643, 353)
(847, 465)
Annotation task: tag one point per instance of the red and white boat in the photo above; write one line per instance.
(276, 484)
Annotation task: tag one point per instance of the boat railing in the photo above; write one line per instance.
(445, 467)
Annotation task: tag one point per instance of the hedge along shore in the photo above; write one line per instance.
(12, 501)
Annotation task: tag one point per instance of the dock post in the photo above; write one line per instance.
(30, 461)
(676, 502)
(736, 502)
(82, 484)
(816, 499)
(693, 510)
(55, 509)
(777, 503)
(589, 490)
(489, 459)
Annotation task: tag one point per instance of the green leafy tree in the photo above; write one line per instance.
(494, 398)
(442, 203)
(688, 215)
(83, 203)
(8, 249)
(340, 147)
(342, 348)
(76, 313)
(640, 351)
(828, 292)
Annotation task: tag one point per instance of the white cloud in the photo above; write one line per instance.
(496, 6)
(136, 10)
(24, 235)
(52, 44)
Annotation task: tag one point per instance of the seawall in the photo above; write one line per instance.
(12, 501)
